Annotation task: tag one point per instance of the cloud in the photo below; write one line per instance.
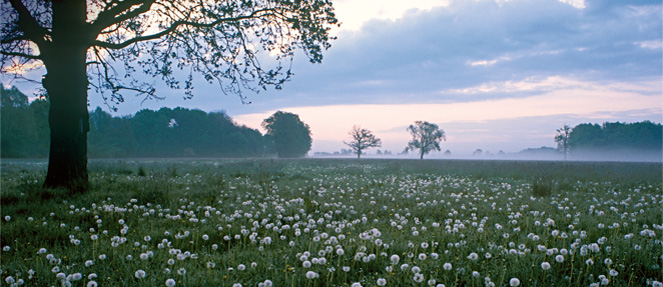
(404, 52)
(462, 45)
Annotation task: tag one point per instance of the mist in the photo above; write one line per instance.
(524, 155)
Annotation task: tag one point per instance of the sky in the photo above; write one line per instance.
(496, 75)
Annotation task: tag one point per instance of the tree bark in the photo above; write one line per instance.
(66, 84)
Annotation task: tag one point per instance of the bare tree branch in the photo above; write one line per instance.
(119, 13)
(29, 24)
(16, 54)
(177, 24)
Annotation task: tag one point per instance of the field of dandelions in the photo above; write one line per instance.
(335, 223)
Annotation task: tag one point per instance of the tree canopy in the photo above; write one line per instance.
(103, 44)
(287, 135)
(426, 137)
(362, 139)
(220, 41)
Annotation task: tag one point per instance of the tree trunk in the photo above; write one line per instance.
(421, 156)
(66, 84)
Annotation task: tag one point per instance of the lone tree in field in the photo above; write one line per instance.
(287, 135)
(362, 139)
(426, 137)
(102, 44)
(562, 139)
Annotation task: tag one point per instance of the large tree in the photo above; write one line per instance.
(102, 44)
(288, 135)
(426, 137)
(362, 139)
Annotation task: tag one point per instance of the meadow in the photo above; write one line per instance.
(333, 222)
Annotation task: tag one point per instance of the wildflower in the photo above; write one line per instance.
(514, 282)
(545, 265)
(312, 275)
(356, 284)
(394, 259)
(589, 262)
(140, 274)
(10, 280)
(241, 267)
(559, 258)
(381, 282)
(418, 277)
(76, 276)
(211, 264)
(8, 218)
(608, 261)
(181, 271)
(42, 251)
(306, 264)
(475, 274)
(473, 256)
(102, 256)
(92, 284)
(346, 268)
(613, 272)
(422, 256)
(447, 266)
(205, 237)
(170, 282)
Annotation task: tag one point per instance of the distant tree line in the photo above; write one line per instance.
(24, 125)
(167, 132)
(617, 138)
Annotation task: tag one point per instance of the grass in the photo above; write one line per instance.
(335, 223)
